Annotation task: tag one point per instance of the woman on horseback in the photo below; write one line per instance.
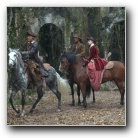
(93, 55)
(95, 64)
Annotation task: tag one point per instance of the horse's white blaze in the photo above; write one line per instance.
(12, 58)
(60, 68)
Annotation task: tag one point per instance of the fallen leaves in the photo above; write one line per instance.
(106, 111)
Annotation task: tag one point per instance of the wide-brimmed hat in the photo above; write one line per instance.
(91, 38)
(30, 33)
(77, 36)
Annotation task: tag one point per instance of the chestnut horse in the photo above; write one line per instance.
(74, 63)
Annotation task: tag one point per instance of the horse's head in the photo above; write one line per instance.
(66, 59)
(64, 64)
(13, 56)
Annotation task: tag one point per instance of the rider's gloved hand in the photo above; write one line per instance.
(85, 63)
(25, 55)
(24, 52)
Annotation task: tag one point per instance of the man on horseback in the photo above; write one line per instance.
(32, 53)
(95, 64)
(78, 48)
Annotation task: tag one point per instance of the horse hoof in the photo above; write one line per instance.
(122, 103)
(18, 115)
(79, 104)
(93, 101)
(18, 111)
(83, 106)
(72, 104)
(59, 110)
(31, 111)
(22, 115)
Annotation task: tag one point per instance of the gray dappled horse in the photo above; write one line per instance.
(19, 81)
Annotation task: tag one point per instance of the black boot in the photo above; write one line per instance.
(44, 72)
(44, 84)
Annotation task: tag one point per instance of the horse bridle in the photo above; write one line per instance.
(66, 61)
(14, 61)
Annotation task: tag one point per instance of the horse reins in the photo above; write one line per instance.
(80, 70)
(68, 63)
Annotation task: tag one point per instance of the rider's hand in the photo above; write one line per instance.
(24, 52)
(85, 63)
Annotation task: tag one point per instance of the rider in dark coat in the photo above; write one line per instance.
(32, 53)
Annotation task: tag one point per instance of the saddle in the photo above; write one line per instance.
(35, 71)
(98, 75)
(109, 65)
(33, 65)
(44, 71)
(47, 66)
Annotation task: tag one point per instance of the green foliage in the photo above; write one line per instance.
(19, 20)
(16, 27)
(28, 100)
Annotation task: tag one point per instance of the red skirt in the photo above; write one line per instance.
(100, 63)
(94, 76)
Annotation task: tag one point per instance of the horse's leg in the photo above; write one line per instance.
(40, 94)
(72, 93)
(23, 102)
(83, 90)
(54, 89)
(121, 88)
(84, 101)
(93, 95)
(78, 92)
(11, 101)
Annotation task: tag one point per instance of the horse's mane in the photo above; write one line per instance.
(20, 60)
(71, 57)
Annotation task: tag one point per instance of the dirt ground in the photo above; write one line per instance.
(105, 111)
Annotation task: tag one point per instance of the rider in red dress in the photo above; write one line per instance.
(93, 55)
(95, 65)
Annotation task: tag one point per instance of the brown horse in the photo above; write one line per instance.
(72, 81)
(74, 63)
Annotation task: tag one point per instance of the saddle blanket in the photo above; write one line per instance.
(109, 65)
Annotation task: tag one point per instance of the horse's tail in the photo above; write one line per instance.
(88, 90)
(62, 84)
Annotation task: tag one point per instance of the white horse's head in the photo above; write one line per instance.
(13, 58)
